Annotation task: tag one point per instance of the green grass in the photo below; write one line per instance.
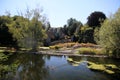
(84, 50)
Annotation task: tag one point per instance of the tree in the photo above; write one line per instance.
(65, 29)
(72, 25)
(28, 31)
(110, 35)
(6, 38)
(95, 19)
(85, 34)
(48, 26)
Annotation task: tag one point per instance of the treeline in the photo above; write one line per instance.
(30, 30)
(75, 30)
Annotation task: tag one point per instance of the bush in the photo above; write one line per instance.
(109, 35)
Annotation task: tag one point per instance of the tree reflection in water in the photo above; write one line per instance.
(27, 67)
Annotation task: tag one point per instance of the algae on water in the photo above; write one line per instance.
(108, 68)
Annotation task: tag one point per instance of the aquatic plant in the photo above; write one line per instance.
(107, 68)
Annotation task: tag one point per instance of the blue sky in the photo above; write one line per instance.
(59, 11)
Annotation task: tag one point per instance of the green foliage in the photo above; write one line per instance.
(85, 34)
(110, 35)
(6, 66)
(11, 66)
(72, 25)
(17, 27)
(96, 35)
(3, 57)
(95, 19)
(6, 38)
(27, 31)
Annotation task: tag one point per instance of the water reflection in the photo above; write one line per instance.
(97, 60)
(6, 66)
(32, 67)
(26, 66)
(110, 65)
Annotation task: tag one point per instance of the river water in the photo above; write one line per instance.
(26, 66)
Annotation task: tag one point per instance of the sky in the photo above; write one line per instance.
(59, 11)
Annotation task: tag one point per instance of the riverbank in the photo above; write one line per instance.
(65, 49)
(73, 49)
(66, 53)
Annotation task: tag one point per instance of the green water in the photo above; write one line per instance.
(26, 66)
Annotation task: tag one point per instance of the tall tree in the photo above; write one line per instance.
(48, 26)
(72, 25)
(28, 31)
(85, 34)
(96, 18)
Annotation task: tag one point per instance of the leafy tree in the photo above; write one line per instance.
(72, 25)
(28, 31)
(95, 19)
(65, 29)
(6, 38)
(96, 35)
(60, 32)
(85, 34)
(110, 35)
(18, 27)
(36, 33)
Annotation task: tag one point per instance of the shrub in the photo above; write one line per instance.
(109, 35)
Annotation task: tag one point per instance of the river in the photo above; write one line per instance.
(27, 66)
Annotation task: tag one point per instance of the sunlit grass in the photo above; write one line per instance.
(61, 45)
(44, 48)
(84, 50)
(25, 49)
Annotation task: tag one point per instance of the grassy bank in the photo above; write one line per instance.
(62, 45)
(80, 48)
(72, 47)
(88, 50)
